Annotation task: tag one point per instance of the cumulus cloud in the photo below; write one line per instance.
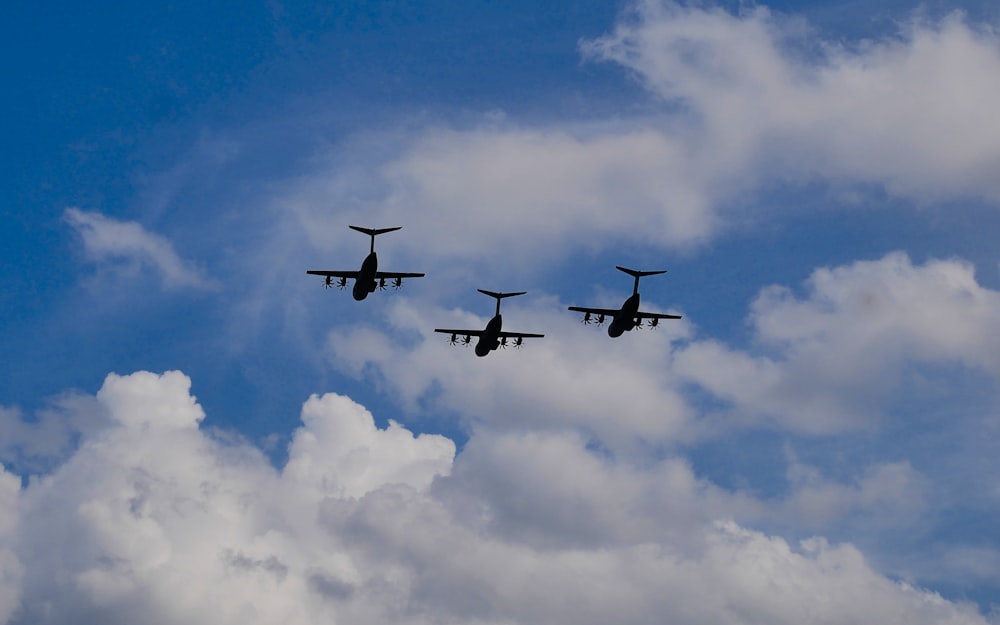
(11, 570)
(348, 456)
(913, 112)
(127, 246)
(31, 445)
(833, 358)
(155, 520)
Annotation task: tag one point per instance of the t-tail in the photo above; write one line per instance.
(373, 232)
(638, 274)
(500, 296)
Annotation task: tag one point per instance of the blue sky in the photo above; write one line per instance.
(814, 442)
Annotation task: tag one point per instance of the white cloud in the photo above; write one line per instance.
(11, 570)
(761, 103)
(830, 361)
(914, 112)
(32, 444)
(886, 495)
(573, 378)
(153, 520)
(517, 486)
(467, 198)
(825, 362)
(343, 454)
(126, 246)
(519, 188)
(837, 356)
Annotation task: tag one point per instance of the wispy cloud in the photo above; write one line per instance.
(748, 100)
(913, 112)
(126, 245)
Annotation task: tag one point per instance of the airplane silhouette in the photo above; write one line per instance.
(628, 316)
(368, 278)
(493, 336)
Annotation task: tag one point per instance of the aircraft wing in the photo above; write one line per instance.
(611, 312)
(392, 275)
(649, 315)
(460, 332)
(332, 274)
(608, 312)
(519, 335)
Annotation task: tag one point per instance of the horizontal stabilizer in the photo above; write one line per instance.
(500, 295)
(374, 231)
(639, 274)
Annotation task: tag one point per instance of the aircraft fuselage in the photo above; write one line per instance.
(625, 317)
(489, 340)
(365, 282)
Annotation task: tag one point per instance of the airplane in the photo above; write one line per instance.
(493, 336)
(368, 278)
(628, 316)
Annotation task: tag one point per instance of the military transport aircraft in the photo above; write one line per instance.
(368, 278)
(628, 316)
(493, 336)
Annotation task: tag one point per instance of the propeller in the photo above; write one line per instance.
(586, 319)
(397, 283)
(466, 340)
(342, 284)
(638, 323)
(518, 340)
(503, 342)
(328, 282)
(600, 319)
(654, 322)
(453, 340)
(381, 284)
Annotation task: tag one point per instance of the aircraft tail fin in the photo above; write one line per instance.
(500, 296)
(639, 274)
(373, 231)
